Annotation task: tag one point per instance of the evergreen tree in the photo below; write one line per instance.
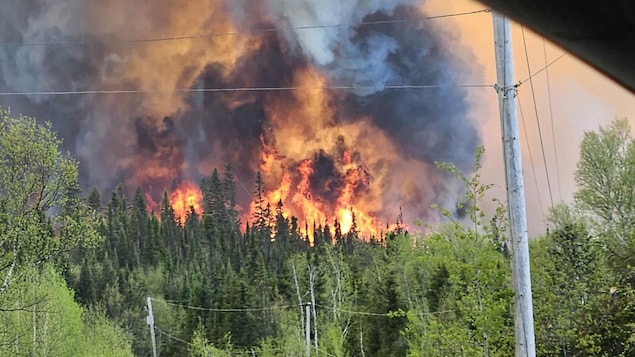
(85, 292)
(139, 226)
(94, 200)
(214, 198)
(229, 194)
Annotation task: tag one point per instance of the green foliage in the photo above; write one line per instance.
(475, 193)
(605, 173)
(40, 212)
(469, 301)
(566, 264)
(289, 339)
(577, 304)
(582, 270)
(103, 338)
(606, 180)
(46, 321)
(201, 347)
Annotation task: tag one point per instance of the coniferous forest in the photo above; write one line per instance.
(77, 268)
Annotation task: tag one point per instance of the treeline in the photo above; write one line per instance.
(243, 290)
(221, 287)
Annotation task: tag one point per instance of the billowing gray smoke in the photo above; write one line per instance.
(162, 135)
(337, 49)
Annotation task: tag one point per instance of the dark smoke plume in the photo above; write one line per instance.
(159, 137)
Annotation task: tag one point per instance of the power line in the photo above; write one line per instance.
(533, 96)
(543, 68)
(553, 131)
(238, 89)
(236, 33)
(531, 157)
(235, 352)
(234, 89)
(364, 313)
(171, 336)
(325, 353)
(168, 302)
(224, 310)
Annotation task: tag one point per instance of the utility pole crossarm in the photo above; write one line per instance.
(506, 88)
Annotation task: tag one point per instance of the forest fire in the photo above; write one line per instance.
(184, 199)
(329, 156)
(311, 165)
(324, 104)
(298, 200)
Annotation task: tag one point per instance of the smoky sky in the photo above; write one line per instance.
(430, 124)
(114, 136)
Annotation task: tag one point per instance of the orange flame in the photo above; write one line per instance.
(310, 210)
(294, 190)
(184, 198)
(305, 126)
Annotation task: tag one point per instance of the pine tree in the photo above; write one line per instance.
(85, 292)
(139, 234)
(229, 195)
(214, 198)
(118, 227)
(94, 200)
(170, 228)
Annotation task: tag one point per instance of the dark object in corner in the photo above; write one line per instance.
(602, 33)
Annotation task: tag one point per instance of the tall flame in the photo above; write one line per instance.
(185, 198)
(316, 167)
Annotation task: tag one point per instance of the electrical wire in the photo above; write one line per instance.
(233, 89)
(224, 310)
(543, 68)
(533, 96)
(171, 336)
(238, 89)
(553, 130)
(167, 302)
(168, 335)
(531, 157)
(236, 33)
(364, 313)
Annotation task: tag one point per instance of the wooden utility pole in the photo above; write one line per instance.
(308, 328)
(506, 88)
(150, 321)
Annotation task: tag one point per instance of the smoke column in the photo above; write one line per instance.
(324, 153)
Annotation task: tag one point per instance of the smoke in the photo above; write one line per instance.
(337, 50)
(369, 148)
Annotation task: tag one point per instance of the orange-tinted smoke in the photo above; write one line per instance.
(160, 70)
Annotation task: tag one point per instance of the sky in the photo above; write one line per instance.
(582, 99)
